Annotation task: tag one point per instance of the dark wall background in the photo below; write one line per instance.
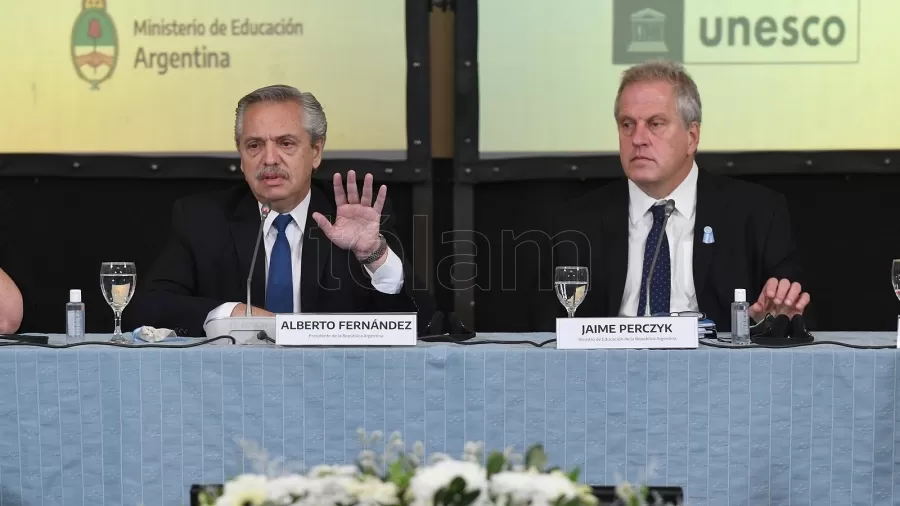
(69, 226)
(844, 224)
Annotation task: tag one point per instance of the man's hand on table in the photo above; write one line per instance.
(241, 310)
(779, 297)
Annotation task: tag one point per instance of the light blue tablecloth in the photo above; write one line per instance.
(98, 425)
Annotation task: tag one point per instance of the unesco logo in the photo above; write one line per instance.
(765, 31)
(647, 30)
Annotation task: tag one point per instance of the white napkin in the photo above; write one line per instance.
(152, 334)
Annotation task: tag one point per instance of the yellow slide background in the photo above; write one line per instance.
(351, 55)
(548, 81)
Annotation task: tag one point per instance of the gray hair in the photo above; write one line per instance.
(687, 98)
(313, 116)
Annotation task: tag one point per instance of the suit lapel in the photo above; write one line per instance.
(615, 244)
(316, 251)
(244, 224)
(707, 214)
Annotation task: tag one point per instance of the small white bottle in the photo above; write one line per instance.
(75, 317)
(740, 318)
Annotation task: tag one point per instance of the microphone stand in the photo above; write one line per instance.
(264, 213)
(670, 208)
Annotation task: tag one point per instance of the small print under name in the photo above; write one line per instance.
(630, 328)
(345, 325)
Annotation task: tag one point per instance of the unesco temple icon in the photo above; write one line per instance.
(648, 32)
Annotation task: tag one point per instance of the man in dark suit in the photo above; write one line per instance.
(307, 262)
(723, 234)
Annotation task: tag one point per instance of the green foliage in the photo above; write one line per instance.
(207, 499)
(496, 463)
(455, 494)
(535, 458)
(399, 474)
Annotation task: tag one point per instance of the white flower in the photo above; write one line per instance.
(556, 485)
(371, 491)
(246, 489)
(326, 470)
(514, 485)
(282, 490)
(473, 451)
(532, 488)
(328, 490)
(428, 480)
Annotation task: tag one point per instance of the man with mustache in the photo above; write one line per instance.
(325, 248)
(723, 234)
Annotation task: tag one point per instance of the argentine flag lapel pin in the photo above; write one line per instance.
(708, 237)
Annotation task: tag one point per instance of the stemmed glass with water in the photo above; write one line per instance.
(571, 283)
(117, 280)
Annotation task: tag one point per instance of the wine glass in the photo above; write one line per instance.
(117, 280)
(895, 276)
(571, 284)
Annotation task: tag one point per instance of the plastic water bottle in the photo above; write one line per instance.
(740, 318)
(75, 317)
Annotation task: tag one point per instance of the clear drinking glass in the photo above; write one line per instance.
(895, 276)
(117, 280)
(571, 283)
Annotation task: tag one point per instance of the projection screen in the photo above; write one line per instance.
(773, 75)
(164, 76)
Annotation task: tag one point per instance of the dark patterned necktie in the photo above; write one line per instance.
(661, 284)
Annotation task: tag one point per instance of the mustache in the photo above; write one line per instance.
(272, 170)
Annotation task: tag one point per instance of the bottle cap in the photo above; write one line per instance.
(740, 295)
(75, 295)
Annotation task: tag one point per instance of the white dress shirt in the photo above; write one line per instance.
(386, 279)
(679, 231)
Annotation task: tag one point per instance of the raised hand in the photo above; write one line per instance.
(358, 221)
(779, 297)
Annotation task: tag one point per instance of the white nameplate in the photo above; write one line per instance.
(346, 329)
(623, 333)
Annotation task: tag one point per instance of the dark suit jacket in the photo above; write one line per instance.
(207, 258)
(753, 242)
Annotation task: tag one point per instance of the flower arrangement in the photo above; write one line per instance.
(397, 478)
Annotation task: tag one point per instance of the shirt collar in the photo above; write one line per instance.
(299, 214)
(685, 197)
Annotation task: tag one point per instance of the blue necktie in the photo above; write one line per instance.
(660, 285)
(280, 285)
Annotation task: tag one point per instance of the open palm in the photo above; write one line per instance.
(357, 224)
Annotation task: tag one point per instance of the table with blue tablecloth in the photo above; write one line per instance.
(109, 425)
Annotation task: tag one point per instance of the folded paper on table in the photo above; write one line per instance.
(707, 329)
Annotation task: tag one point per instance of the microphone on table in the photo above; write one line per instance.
(263, 214)
(246, 329)
(446, 329)
(670, 208)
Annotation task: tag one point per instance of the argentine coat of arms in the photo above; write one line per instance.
(94, 43)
